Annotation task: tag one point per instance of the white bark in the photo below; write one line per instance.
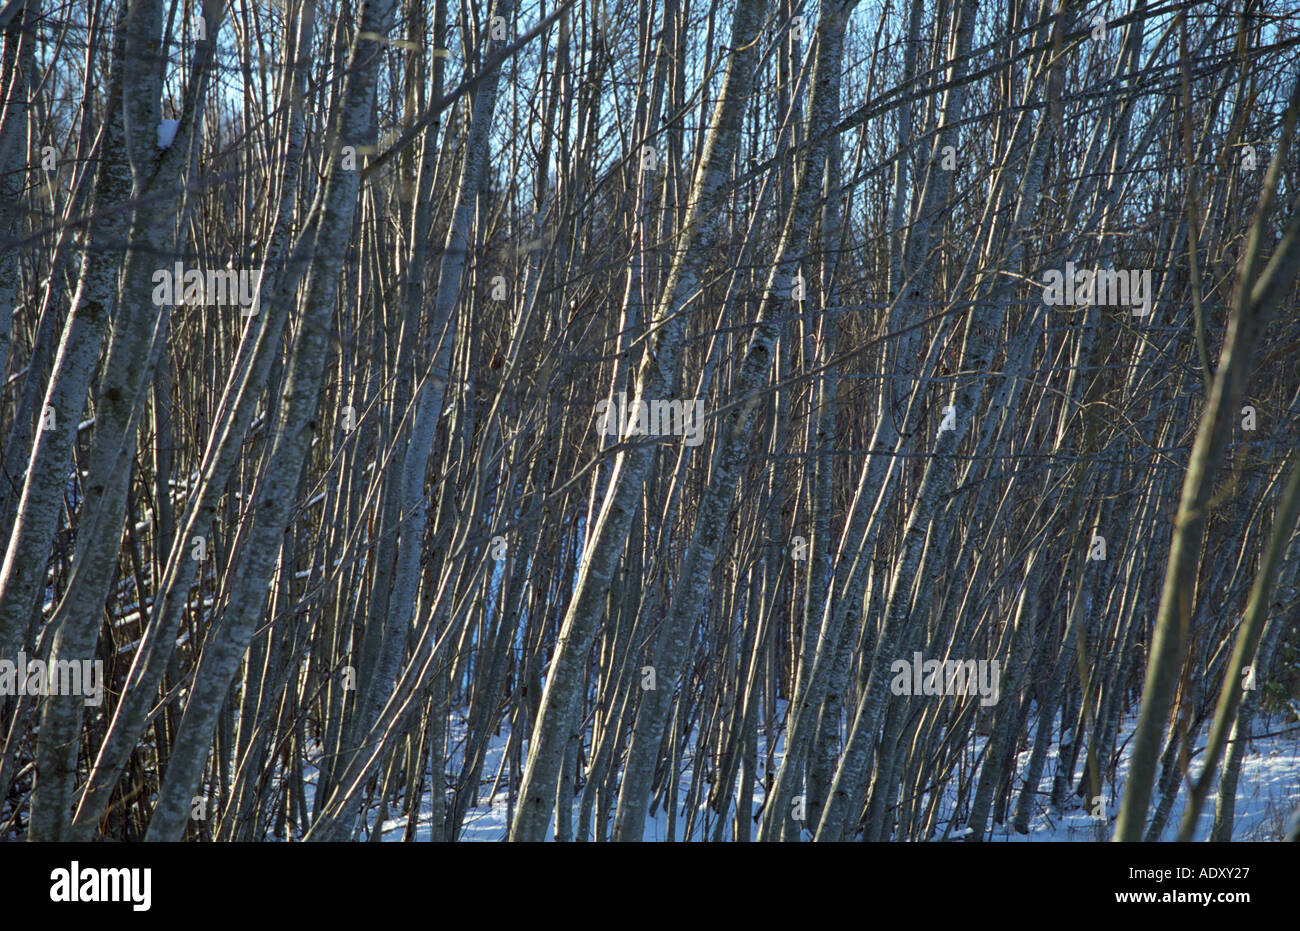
(229, 635)
(658, 372)
(697, 565)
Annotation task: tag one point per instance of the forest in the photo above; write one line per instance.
(649, 420)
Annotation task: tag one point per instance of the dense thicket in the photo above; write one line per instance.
(384, 507)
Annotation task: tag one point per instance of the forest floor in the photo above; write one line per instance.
(1268, 791)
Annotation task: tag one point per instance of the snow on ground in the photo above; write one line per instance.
(1268, 791)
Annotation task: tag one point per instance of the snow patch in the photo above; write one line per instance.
(167, 133)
